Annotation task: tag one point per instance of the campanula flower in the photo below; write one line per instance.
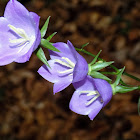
(67, 66)
(19, 33)
(90, 97)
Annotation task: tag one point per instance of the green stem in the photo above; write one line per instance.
(116, 69)
(111, 73)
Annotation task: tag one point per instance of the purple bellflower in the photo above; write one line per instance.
(90, 97)
(67, 66)
(19, 33)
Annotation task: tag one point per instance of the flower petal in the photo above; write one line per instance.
(18, 16)
(35, 21)
(6, 56)
(24, 58)
(51, 74)
(80, 69)
(86, 83)
(105, 90)
(6, 60)
(66, 50)
(78, 105)
(59, 86)
(97, 107)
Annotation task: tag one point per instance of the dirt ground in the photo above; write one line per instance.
(28, 108)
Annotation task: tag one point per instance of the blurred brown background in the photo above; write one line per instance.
(28, 109)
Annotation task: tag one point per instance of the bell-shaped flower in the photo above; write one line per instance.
(90, 97)
(19, 33)
(67, 66)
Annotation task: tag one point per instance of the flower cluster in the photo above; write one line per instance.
(68, 66)
(20, 36)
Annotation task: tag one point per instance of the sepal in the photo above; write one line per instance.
(99, 75)
(100, 65)
(44, 28)
(124, 89)
(121, 88)
(84, 45)
(40, 54)
(46, 44)
(51, 36)
(94, 66)
(95, 58)
(118, 77)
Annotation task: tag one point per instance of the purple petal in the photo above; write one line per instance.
(6, 60)
(80, 69)
(37, 42)
(24, 58)
(105, 90)
(66, 50)
(7, 54)
(77, 105)
(36, 19)
(97, 106)
(51, 74)
(59, 86)
(3, 25)
(87, 83)
(18, 16)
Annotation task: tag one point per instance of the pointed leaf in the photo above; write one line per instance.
(50, 37)
(40, 54)
(98, 66)
(95, 58)
(118, 77)
(46, 44)
(84, 45)
(45, 27)
(99, 75)
(124, 89)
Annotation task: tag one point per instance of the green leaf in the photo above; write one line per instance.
(139, 106)
(95, 58)
(40, 54)
(124, 89)
(118, 77)
(46, 44)
(50, 37)
(84, 45)
(98, 66)
(99, 75)
(45, 27)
